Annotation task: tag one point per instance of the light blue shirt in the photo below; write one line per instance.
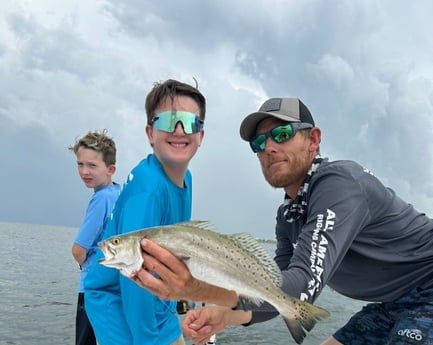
(98, 211)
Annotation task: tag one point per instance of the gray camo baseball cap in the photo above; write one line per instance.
(287, 109)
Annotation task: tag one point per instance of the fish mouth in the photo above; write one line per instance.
(108, 251)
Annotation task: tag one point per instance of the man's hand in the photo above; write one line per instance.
(200, 324)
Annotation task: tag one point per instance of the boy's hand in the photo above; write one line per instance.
(173, 279)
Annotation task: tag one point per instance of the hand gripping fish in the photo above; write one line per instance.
(232, 261)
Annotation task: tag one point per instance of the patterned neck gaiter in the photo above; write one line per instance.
(296, 209)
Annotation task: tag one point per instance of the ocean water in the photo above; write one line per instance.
(38, 285)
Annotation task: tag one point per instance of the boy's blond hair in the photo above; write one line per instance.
(100, 142)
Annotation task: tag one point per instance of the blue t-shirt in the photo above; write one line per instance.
(98, 211)
(120, 311)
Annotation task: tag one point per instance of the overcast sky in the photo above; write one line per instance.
(364, 68)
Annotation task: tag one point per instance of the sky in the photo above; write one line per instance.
(364, 68)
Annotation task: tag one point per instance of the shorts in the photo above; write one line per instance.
(84, 334)
(407, 320)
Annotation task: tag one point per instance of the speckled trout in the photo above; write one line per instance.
(233, 261)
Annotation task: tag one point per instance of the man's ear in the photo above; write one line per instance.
(315, 139)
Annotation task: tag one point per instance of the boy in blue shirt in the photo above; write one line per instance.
(158, 191)
(96, 159)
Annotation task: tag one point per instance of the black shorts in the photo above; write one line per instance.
(407, 320)
(84, 334)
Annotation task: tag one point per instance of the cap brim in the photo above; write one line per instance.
(249, 124)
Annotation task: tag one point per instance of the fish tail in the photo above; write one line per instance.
(310, 314)
(304, 319)
(295, 329)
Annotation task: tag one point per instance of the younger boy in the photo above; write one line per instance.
(96, 159)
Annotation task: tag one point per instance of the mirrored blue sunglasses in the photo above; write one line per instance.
(278, 134)
(168, 120)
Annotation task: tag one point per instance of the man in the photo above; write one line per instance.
(158, 191)
(338, 226)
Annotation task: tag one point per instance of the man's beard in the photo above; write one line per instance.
(294, 171)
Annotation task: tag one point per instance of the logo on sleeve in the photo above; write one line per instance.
(319, 248)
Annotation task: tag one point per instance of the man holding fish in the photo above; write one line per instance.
(338, 226)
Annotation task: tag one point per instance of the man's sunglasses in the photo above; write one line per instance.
(168, 120)
(278, 134)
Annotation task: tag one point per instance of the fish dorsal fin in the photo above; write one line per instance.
(200, 224)
(250, 244)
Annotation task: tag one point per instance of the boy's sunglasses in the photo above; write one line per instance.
(278, 134)
(168, 120)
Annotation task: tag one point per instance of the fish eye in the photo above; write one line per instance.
(116, 241)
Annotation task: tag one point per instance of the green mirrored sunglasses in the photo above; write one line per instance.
(168, 120)
(278, 134)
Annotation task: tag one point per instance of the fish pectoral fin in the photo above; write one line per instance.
(184, 258)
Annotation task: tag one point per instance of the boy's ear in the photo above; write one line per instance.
(149, 134)
(111, 169)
